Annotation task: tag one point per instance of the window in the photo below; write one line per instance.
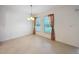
(38, 24)
(47, 27)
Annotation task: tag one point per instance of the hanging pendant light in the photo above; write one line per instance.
(31, 16)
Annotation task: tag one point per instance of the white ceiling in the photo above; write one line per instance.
(41, 8)
(36, 9)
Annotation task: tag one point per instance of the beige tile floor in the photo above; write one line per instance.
(35, 44)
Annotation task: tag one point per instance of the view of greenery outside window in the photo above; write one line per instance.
(38, 24)
(47, 27)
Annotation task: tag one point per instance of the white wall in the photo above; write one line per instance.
(66, 24)
(13, 22)
(2, 24)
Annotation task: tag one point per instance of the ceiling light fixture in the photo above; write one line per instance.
(31, 16)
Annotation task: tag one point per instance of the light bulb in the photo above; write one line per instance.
(28, 18)
(32, 18)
